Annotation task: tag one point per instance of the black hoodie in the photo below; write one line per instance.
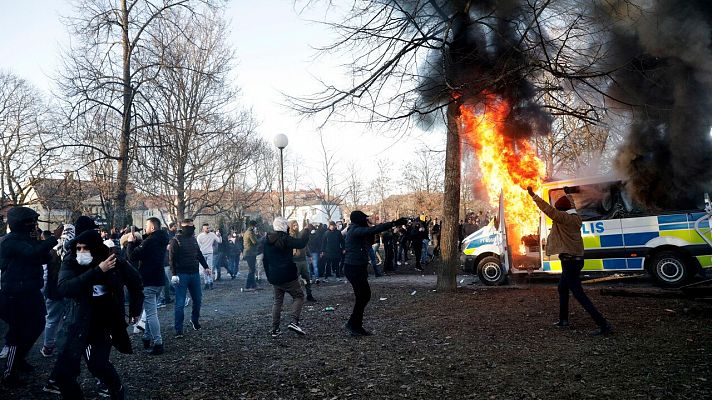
(22, 256)
(279, 265)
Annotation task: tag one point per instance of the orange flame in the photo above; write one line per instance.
(506, 163)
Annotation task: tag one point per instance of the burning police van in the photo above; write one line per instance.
(618, 235)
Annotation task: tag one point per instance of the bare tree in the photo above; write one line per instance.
(200, 145)
(355, 190)
(333, 193)
(105, 68)
(424, 172)
(381, 186)
(23, 129)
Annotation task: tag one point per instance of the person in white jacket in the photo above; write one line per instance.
(206, 241)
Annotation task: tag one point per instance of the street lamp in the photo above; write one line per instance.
(281, 141)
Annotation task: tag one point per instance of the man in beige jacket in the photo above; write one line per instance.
(565, 240)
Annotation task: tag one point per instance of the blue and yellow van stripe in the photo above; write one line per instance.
(636, 236)
(601, 264)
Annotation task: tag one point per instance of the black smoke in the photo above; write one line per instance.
(662, 52)
(483, 56)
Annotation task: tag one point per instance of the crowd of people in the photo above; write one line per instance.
(83, 286)
(94, 283)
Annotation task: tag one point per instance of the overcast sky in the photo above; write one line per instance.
(274, 48)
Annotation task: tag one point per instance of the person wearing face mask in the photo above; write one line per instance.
(183, 257)
(94, 279)
(22, 305)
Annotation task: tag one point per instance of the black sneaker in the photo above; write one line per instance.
(363, 332)
(157, 350)
(196, 325)
(562, 324)
(276, 332)
(603, 330)
(146, 344)
(179, 335)
(51, 387)
(294, 327)
(311, 299)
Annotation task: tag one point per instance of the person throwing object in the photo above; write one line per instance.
(565, 240)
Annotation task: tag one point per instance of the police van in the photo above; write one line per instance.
(618, 236)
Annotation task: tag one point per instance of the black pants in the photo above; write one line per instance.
(358, 277)
(25, 316)
(418, 252)
(96, 353)
(331, 265)
(571, 281)
(251, 283)
(389, 259)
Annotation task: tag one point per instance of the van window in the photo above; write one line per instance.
(601, 201)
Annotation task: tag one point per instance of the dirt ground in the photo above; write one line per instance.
(479, 343)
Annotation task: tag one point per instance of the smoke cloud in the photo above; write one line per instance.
(484, 58)
(664, 48)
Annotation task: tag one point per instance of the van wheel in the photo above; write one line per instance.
(669, 269)
(491, 272)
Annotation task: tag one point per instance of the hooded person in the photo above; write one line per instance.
(184, 258)
(566, 241)
(94, 279)
(359, 237)
(22, 305)
(282, 272)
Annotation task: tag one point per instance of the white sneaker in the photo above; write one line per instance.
(295, 328)
(187, 301)
(5, 350)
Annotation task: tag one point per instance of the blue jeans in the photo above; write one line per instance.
(314, 264)
(425, 255)
(374, 264)
(153, 326)
(190, 283)
(167, 287)
(55, 311)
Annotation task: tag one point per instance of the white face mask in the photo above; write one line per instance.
(84, 258)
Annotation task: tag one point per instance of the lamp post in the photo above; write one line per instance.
(281, 142)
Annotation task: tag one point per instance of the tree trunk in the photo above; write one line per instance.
(123, 158)
(447, 274)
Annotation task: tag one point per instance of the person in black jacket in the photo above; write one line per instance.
(22, 305)
(359, 238)
(183, 257)
(149, 255)
(314, 250)
(94, 279)
(332, 248)
(282, 272)
(388, 239)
